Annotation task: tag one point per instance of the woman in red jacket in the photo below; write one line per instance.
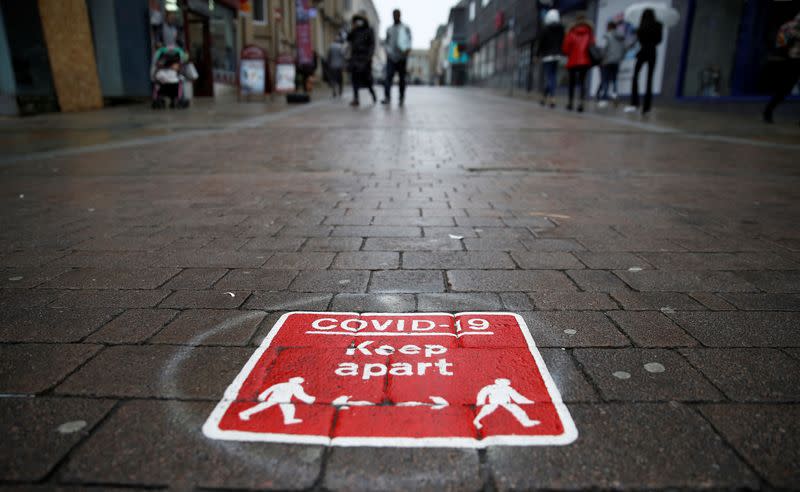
(576, 48)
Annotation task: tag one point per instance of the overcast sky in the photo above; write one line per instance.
(422, 16)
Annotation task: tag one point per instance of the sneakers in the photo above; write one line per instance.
(602, 104)
(630, 109)
(386, 101)
(354, 103)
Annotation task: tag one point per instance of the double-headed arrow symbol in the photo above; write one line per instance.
(344, 402)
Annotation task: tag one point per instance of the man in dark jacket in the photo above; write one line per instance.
(362, 47)
(548, 51)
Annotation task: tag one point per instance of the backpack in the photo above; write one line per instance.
(595, 54)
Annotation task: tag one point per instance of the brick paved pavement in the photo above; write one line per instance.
(660, 272)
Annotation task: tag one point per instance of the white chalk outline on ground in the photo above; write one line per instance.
(211, 426)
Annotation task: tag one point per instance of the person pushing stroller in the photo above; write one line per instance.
(167, 74)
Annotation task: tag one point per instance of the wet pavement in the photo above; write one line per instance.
(656, 263)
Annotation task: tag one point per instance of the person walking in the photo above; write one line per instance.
(548, 51)
(398, 46)
(362, 47)
(613, 53)
(576, 47)
(788, 42)
(649, 34)
(335, 65)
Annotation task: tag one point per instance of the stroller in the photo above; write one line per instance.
(168, 72)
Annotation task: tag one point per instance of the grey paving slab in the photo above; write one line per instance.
(626, 446)
(571, 382)
(132, 326)
(196, 258)
(645, 375)
(331, 281)
(572, 301)
(44, 324)
(513, 280)
(283, 243)
(406, 281)
(413, 244)
(546, 260)
(402, 469)
(210, 327)
(516, 301)
(116, 278)
(749, 374)
(596, 280)
(779, 281)
(488, 244)
(741, 329)
(209, 299)
(17, 299)
(333, 244)
(180, 456)
(396, 303)
(553, 245)
(257, 279)
(23, 278)
(288, 301)
(653, 301)
(454, 260)
(766, 436)
(299, 261)
(376, 231)
(651, 329)
(156, 371)
(110, 298)
(39, 432)
(712, 301)
(367, 260)
(602, 260)
(573, 329)
(763, 302)
(459, 302)
(686, 281)
(195, 278)
(29, 368)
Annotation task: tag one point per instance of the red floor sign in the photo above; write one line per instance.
(389, 379)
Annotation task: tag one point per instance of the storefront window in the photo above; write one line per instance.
(223, 39)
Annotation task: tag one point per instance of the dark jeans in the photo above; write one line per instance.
(398, 67)
(550, 69)
(335, 80)
(577, 75)
(608, 77)
(648, 94)
(786, 79)
(357, 86)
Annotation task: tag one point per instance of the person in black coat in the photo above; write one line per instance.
(362, 47)
(649, 34)
(548, 51)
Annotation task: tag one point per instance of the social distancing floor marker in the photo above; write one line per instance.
(395, 379)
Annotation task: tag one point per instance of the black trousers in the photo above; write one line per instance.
(787, 77)
(359, 83)
(399, 68)
(577, 76)
(648, 94)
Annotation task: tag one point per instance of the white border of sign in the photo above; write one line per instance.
(211, 427)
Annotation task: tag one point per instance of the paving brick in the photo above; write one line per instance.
(653, 301)
(402, 469)
(23, 278)
(512, 280)
(390, 303)
(110, 298)
(28, 368)
(484, 244)
(334, 244)
(210, 299)
(95, 278)
(355, 220)
(32, 443)
(553, 245)
(156, 371)
(751, 374)
(331, 281)
(608, 260)
(764, 302)
(682, 281)
(596, 280)
(717, 261)
(196, 258)
(132, 326)
(178, 455)
(572, 384)
(778, 281)
(651, 329)
(451, 260)
(406, 281)
(284, 243)
(19, 299)
(376, 231)
(441, 221)
(44, 324)
(572, 329)
(765, 435)
(412, 244)
(519, 233)
(572, 301)
(453, 302)
(741, 329)
(299, 261)
(625, 446)
(645, 375)
(367, 260)
(305, 231)
(288, 301)
(195, 278)
(555, 260)
(256, 279)
(210, 327)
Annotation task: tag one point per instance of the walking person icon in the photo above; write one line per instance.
(281, 394)
(501, 394)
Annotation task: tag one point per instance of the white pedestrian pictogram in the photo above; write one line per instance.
(501, 394)
(281, 394)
